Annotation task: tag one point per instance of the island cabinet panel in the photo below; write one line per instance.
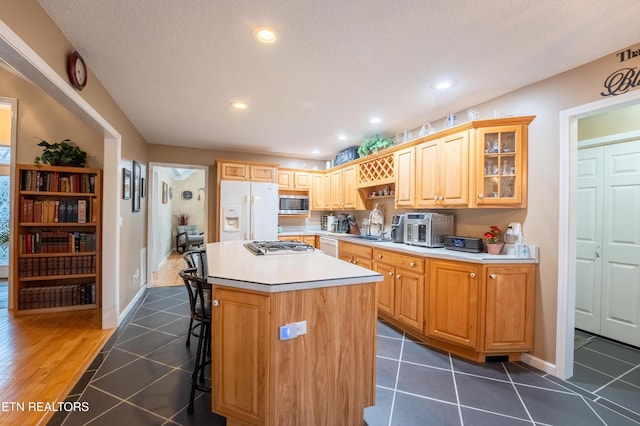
(324, 377)
(454, 289)
(510, 297)
(240, 353)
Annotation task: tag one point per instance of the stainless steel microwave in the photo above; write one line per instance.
(293, 204)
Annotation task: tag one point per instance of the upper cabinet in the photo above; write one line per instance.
(294, 180)
(442, 177)
(254, 172)
(501, 166)
(405, 179)
(320, 195)
(342, 189)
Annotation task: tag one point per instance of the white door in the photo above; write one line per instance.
(608, 242)
(621, 244)
(589, 238)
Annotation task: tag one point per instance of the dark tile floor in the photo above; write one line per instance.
(141, 377)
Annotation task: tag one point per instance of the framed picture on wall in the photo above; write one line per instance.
(126, 184)
(137, 171)
(165, 193)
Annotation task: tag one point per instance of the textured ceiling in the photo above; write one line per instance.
(175, 66)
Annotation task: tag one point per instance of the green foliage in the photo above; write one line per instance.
(62, 153)
(374, 144)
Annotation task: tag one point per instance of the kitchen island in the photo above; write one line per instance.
(323, 377)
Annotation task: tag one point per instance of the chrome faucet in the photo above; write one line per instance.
(376, 217)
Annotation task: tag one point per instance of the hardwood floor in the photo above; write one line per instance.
(41, 359)
(43, 356)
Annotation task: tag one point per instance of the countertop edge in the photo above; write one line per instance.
(276, 288)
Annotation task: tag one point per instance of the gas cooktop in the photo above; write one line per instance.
(260, 248)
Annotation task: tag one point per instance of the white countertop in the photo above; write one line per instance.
(231, 263)
(438, 253)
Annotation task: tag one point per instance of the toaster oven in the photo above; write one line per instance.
(427, 229)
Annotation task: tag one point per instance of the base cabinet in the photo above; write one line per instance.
(355, 253)
(401, 293)
(481, 309)
(325, 377)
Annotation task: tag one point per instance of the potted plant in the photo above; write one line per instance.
(62, 153)
(492, 238)
(374, 144)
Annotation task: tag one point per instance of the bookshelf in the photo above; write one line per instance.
(57, 249)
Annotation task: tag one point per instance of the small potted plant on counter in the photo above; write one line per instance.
(492, 239)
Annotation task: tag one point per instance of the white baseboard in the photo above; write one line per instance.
(540, 364)
(131, 304)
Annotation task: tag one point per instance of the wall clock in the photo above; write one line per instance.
(77, 70)
(187, 195)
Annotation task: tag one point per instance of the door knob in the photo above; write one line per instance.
(472, 275)
(215, 302)
(492, 276)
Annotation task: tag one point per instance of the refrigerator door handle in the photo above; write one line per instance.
(247, 226)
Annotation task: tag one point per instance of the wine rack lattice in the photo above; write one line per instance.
(378, 169)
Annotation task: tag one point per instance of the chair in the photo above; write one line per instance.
(188, 236)
(197, 261)
(201, 313)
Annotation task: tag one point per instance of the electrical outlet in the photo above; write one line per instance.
(301, 326)
(306, 220)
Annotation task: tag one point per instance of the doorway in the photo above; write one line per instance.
(175, 190)
(608, 240)
(8, 112)
(567, 230)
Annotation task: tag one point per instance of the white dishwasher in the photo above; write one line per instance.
(329, 246)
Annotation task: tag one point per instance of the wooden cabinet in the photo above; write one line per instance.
(254, 172)
(343, 191)
(501, 165)
(294, 180)
(320, 191)
(357, 254)
(308, 239)
(240, 355)
(405, 175)
(56, 266)
(485, 308)
(508, 311)
(401, 293)
(442, 172)
(259, 379)
(453, 302)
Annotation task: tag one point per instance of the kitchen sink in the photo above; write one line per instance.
(371, 238)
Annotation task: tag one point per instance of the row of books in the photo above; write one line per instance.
(55, 296)
(34, 180)
(58, 211)
(56, 242)
(61, 265)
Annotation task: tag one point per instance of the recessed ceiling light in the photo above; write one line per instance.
(315, 152)
(444, 84)
(239, 105)
(375, 120)
(342, 137)
(265, 35)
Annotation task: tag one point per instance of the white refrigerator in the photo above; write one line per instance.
(248, 211)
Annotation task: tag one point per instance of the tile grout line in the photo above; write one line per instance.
(616, 379)
(515, 389)
(395, 385)
(455, 388)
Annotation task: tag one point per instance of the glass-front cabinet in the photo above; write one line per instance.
(502, 159)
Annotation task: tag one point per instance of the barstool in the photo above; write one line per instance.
(196, 260)
(200, 313)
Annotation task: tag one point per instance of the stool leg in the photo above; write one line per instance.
(194, 375)
(189, 332)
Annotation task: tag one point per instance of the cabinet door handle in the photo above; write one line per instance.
(493, 276)
(379, 256)
(481, 196)
(412, 264)
(440, 198)
(435, 198)
(398, 276)
(215, 302)
(390, 273)
(472, 275)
